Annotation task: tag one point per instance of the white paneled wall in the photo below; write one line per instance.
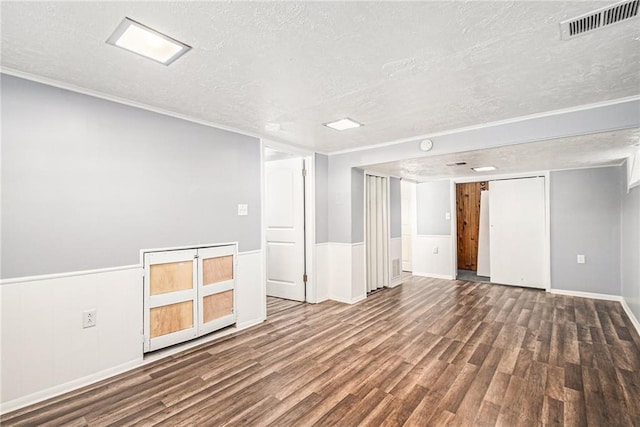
(432, 257)
(45, 351)
(321, 269)
(395, 246)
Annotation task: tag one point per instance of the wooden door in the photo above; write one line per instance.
(170, 298)
(468, 222)
(216, 290)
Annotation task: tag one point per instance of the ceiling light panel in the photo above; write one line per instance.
(343, 124)
(484, 169)
(144, 41)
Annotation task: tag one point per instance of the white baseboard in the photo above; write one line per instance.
(433, 275)
(395, 282)
(249, 323)
(348, 301)
(323, 299)
(48, 393)
(591, 295)
(632, 316)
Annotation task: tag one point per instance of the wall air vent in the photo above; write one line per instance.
(603, 17)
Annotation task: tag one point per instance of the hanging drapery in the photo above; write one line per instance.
(377, 232)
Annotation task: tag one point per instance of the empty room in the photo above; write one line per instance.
(320, 213)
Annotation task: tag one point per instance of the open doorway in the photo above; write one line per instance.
(286, 228)
(472, 239)
(408, 226)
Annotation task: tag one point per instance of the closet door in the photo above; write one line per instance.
(216, 290)
(170, 298)
(517, 232)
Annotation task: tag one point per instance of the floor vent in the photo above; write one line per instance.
(599, 18)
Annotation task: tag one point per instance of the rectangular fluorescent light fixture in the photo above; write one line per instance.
(144, 41)
(484, 169)
(343, 124)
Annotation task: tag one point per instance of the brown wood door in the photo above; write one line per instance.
(468, 218)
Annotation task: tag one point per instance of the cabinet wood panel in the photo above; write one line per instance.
(217, 305)
(171, 318)
(171, 277)
(217, 269)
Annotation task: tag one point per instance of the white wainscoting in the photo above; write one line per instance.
(46, 352)
(395, 245)
(429, 264)
(322, 272)
(358, 285)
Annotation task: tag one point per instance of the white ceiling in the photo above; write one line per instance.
(601, 149)
(400, 68)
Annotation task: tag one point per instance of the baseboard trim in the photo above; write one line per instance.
(632, 317)
(323, 299)
(591, 295)
(347, 300)
(51, 392)
(249, 323)
(433, 275)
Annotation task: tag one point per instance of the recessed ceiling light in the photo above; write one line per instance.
(144, 41)
(343, 124)
(484, 169)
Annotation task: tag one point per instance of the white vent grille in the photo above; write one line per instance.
(599, 18)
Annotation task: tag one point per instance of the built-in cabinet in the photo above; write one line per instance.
(188, 293)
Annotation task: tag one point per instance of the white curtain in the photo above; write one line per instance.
(377, 230)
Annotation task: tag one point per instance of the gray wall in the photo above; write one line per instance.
(343, 228)
(631, 249)
(395, 210)
(357, 205)
(87, 183)
(433, 201)
(585, 219)
(322, 225)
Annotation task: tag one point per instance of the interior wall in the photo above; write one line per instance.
(395, 208)
(321, 181)
(87, 183)
(433, 200)
(585, 218)
(631, 249)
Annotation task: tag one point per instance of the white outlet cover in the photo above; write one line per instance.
(243, 210)
(435, 250)
(581, 259)
(89, 318)
(447, 215)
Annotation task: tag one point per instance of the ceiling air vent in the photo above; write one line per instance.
(599, 18)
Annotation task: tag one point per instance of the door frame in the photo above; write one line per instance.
(364, 226)
(495, 177)
(310, 217)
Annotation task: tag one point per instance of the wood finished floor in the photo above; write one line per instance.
(429, 352)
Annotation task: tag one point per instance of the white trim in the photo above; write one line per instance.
(322, 244)
(434, 276)
(250, 252)
(349, 301)
(48, 393)
(67, 274)
(181, 248)
(287, 147)
(605, 297)
(492, 124)
(632, 317)
(323, 299)
(434, 236)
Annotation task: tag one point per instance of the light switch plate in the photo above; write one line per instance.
(243, 210)
(581, 259)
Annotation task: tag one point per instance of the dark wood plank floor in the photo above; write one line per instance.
(276, 305)
(429, 352)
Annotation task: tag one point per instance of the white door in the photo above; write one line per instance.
(377, 232)
(517, 232)
(284, 217)
(407, 191)
(216, 288)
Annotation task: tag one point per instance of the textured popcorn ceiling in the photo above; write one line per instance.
(601, 149)
(400, 68)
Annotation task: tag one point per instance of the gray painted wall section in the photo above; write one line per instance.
(395, 208)
(357, 205)
(631, 249)
(322, 225)
(433, 201)
(87, 183)
(341, 218)
(585, 219)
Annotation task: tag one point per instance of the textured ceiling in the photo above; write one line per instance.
(400, 68)
(601, 149)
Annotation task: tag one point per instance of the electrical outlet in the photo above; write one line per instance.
(435, 250)
(243, 209)
(581, 259)
(447, 216)
(89, 318)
